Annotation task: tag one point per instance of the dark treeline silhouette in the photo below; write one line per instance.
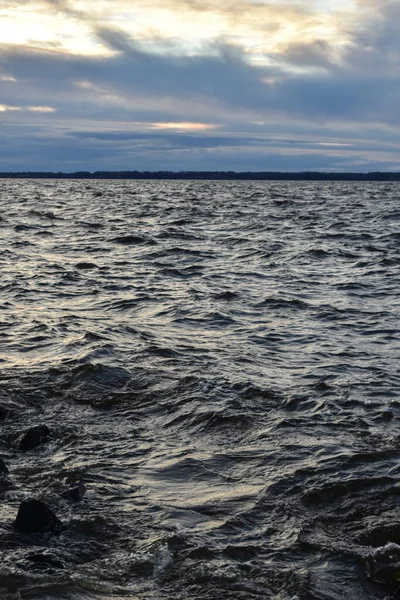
(209, 175)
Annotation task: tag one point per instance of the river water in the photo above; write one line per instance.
(218, 364)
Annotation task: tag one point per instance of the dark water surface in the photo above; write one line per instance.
(218, 363)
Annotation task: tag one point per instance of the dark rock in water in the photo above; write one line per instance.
(34, 437)
(387, 415)
(35, 517)
(131, 239)
(85, 265)
(76, 492)
(3, 467)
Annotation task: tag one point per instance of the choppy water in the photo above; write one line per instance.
(219, 364)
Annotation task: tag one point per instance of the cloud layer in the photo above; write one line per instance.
(273, 86)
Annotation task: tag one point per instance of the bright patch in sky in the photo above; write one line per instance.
(39, 109)
(184, 126)
(183, 26)
(35, 24)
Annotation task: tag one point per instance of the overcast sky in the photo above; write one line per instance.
(287, 85)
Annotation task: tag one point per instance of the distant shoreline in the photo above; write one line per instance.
(207, 175)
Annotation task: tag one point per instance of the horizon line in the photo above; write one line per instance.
(209, 175)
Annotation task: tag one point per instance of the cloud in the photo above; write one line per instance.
(328, 102)
(187, 25)
(36, 109)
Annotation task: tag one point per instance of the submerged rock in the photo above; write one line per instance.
(3, 467)
(133, 239)
(35, 517)
(86, 265)
(76, 492)
(34, 437)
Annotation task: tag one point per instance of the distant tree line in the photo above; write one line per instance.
(207, 175)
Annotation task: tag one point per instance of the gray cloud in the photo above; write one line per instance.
(316, 89)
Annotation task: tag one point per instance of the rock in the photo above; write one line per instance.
(3, 467)
(387, 415)
(86, 265)
(35, 517)
(131, 239)
(34, 437)
(76, 492)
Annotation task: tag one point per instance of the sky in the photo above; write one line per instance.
(245, 85)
